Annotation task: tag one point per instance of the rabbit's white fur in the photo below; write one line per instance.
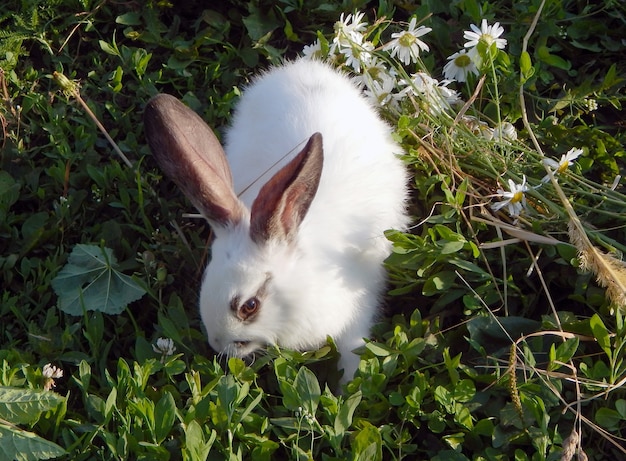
(329, 280)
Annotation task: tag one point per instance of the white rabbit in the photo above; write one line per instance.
(299, 243)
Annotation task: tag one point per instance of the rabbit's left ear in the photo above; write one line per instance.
(189, 153)
(284, 200)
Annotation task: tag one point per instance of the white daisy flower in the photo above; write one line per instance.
(350, 24)
(459, 66)
(381, 90)
(407, 44)
(514, 198)
(312, 51)
(374, 69)
(452, 97)
(486, 34)
(437, 95)
(356, 52)
(505, 131)
(562, 165)
(348, 30)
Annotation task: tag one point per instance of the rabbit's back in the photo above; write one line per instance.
(363, 186)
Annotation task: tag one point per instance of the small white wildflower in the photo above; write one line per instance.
(375, 69)
(459, 66)
(312, 51)
(591, 104)
(50, 373)
(407, 44)
(486, 34)
(381, 90)
(562, 165)
(505, 131)
(348, 30)
(357, 52)
(165, 347)
(514, 198)
(452, 97)
(351, 24)
(437, 96)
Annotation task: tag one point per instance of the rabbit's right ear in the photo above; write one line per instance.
(282, 203)
(189, 153)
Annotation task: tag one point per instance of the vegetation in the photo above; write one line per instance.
(504, 335)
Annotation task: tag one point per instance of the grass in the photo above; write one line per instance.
(497, 344)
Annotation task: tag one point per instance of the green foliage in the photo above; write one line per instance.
(91, 282)
(493, 349)
(25, 406)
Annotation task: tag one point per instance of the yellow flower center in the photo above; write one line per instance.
(406, 40)
(462, 61)
(562, 167)
(517, 197)
(487, 39)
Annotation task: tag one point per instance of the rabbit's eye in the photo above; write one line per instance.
(249, 308)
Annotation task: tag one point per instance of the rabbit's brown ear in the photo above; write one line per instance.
(189, 153)
(284, 200)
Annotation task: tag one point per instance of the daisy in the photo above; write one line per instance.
(514, 198)
(459, 66)
(451, 97)
(381, 90)
(356, 52)
(561, 166)
(347, 31)
(406, 44)
(312, 51)
(352, 24)
(374, 69)
(505, 131)
(437, 96)
(486, 34)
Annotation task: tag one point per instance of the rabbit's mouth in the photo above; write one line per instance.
(245, 348)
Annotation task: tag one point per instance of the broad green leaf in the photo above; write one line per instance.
(227, 395)
(308, 388)
(378, 349)
(112, 50)
(445, 398)
(566, 350)
(24, 406)
(608, 418)
(461, 193)
(367, 445)
(343, 420)
(21, 445)
(9, 191)
(452, 247)
(164, 416)
(620, 406)
(439, 282)
(601, 334)
(464, 391)
(90, 281)
(526, 67)
(197, 448)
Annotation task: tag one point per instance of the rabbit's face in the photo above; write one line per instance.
(238, 305)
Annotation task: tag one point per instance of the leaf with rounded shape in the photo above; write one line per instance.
(90, 282)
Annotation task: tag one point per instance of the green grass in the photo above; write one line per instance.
(496, 344)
